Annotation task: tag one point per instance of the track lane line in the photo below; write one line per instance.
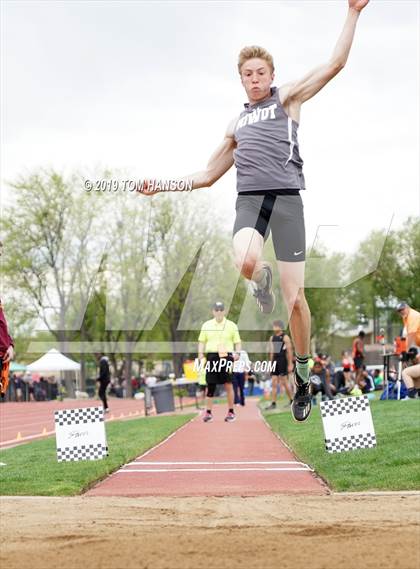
(214, 470)
(204, 462)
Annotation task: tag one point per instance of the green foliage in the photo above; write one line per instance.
(325, 303)
(148, 269)
(398, 273)
(46, 248)
(396, 277)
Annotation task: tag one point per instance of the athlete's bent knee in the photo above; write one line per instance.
(246, 265)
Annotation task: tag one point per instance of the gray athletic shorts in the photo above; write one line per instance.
(282, 214)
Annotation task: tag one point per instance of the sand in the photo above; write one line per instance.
(280, 531)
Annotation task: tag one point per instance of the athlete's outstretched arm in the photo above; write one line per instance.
(220, 162)
(302, 90)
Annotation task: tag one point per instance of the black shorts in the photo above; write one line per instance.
(358, 362)
(279, 212)
(222, 376)
(280, 368)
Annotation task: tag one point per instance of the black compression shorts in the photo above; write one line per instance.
(282, 213)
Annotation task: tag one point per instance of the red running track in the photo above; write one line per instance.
(215, 459)
(22, 422)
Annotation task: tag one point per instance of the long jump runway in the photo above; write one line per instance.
(215, 459)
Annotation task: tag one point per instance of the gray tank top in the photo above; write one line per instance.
(267, 152)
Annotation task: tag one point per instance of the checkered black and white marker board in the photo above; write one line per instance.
(347, 424)
(80, 434)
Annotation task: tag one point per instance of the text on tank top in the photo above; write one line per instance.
(267, 149)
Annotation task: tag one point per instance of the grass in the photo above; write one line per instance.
(392, 465)
(32, 468)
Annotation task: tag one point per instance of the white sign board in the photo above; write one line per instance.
(347, 424)
(80, 434)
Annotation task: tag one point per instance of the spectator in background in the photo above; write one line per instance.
(43, 386)
(349, 386)
(53, 386)
(6, 348)
(39, 394)
(240, 365)
(123, 390)
(134, 384)
(142, 380)
(104, 380)
(113, 385)
(369, 384)
(358, 353)
(251, 382)
(321, 380)
(281, 354)
(328, 364)
(343, 380)
(392, 374)
(19, 386)
(27, 378)
(411, 321)
(378, 379)
(13, 380)
(346, 359)
(411, 375)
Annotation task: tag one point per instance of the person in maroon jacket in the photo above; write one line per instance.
(6, 347)
(6, 341)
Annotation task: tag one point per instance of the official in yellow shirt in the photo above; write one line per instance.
(218, 338)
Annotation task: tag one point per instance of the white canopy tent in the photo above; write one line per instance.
(52, 361)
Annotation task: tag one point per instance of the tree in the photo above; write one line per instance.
(48, 252)
(191, 267)
(325, 303)
(395, 278)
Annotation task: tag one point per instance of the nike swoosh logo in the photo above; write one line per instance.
(298, 253)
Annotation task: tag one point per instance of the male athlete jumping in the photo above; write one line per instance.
(262, 143)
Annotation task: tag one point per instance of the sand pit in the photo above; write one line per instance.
(328, 532)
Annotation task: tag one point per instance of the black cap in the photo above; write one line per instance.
(218, 306)
(401, 305)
